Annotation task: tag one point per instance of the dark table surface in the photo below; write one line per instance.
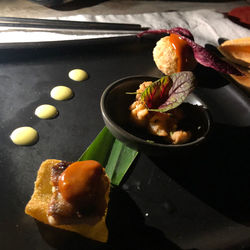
(197, 201)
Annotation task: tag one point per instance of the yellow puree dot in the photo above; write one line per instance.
(24, 136)
(78, 75)
(61, 93)
(46, 111)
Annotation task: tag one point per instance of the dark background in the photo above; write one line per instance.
(198, 200)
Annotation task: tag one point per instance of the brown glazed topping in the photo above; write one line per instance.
(183, 51)
(78, 192)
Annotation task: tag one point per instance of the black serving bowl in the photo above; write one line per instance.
(115, 104)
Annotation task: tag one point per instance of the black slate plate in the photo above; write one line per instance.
(200, 201)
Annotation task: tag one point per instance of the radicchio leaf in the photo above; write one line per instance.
(201, 55)
(155, 94)
(182, 85)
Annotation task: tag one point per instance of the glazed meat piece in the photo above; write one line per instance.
(41, 199)
(76, 198)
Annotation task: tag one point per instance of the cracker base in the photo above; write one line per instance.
(37, 207)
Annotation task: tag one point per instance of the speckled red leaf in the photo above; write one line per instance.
(182, 84)
(155, 94)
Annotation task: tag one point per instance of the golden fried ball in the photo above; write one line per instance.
(165, 56)
(172, 54)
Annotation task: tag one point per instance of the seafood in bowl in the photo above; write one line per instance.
(159, 123)
(116, 103)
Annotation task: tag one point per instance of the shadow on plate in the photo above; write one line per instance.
(209, 78)
(127, 230)
(217, 172)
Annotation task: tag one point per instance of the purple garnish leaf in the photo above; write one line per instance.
(155, 94)
(201, 55)
(207, 59)
(182, 32)
(177, 30)
(182, 84)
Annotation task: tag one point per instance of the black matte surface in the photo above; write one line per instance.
(198, 201)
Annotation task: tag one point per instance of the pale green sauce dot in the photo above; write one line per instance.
(24, 136)
(61, 93)
(46, 111)
(78, 75)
